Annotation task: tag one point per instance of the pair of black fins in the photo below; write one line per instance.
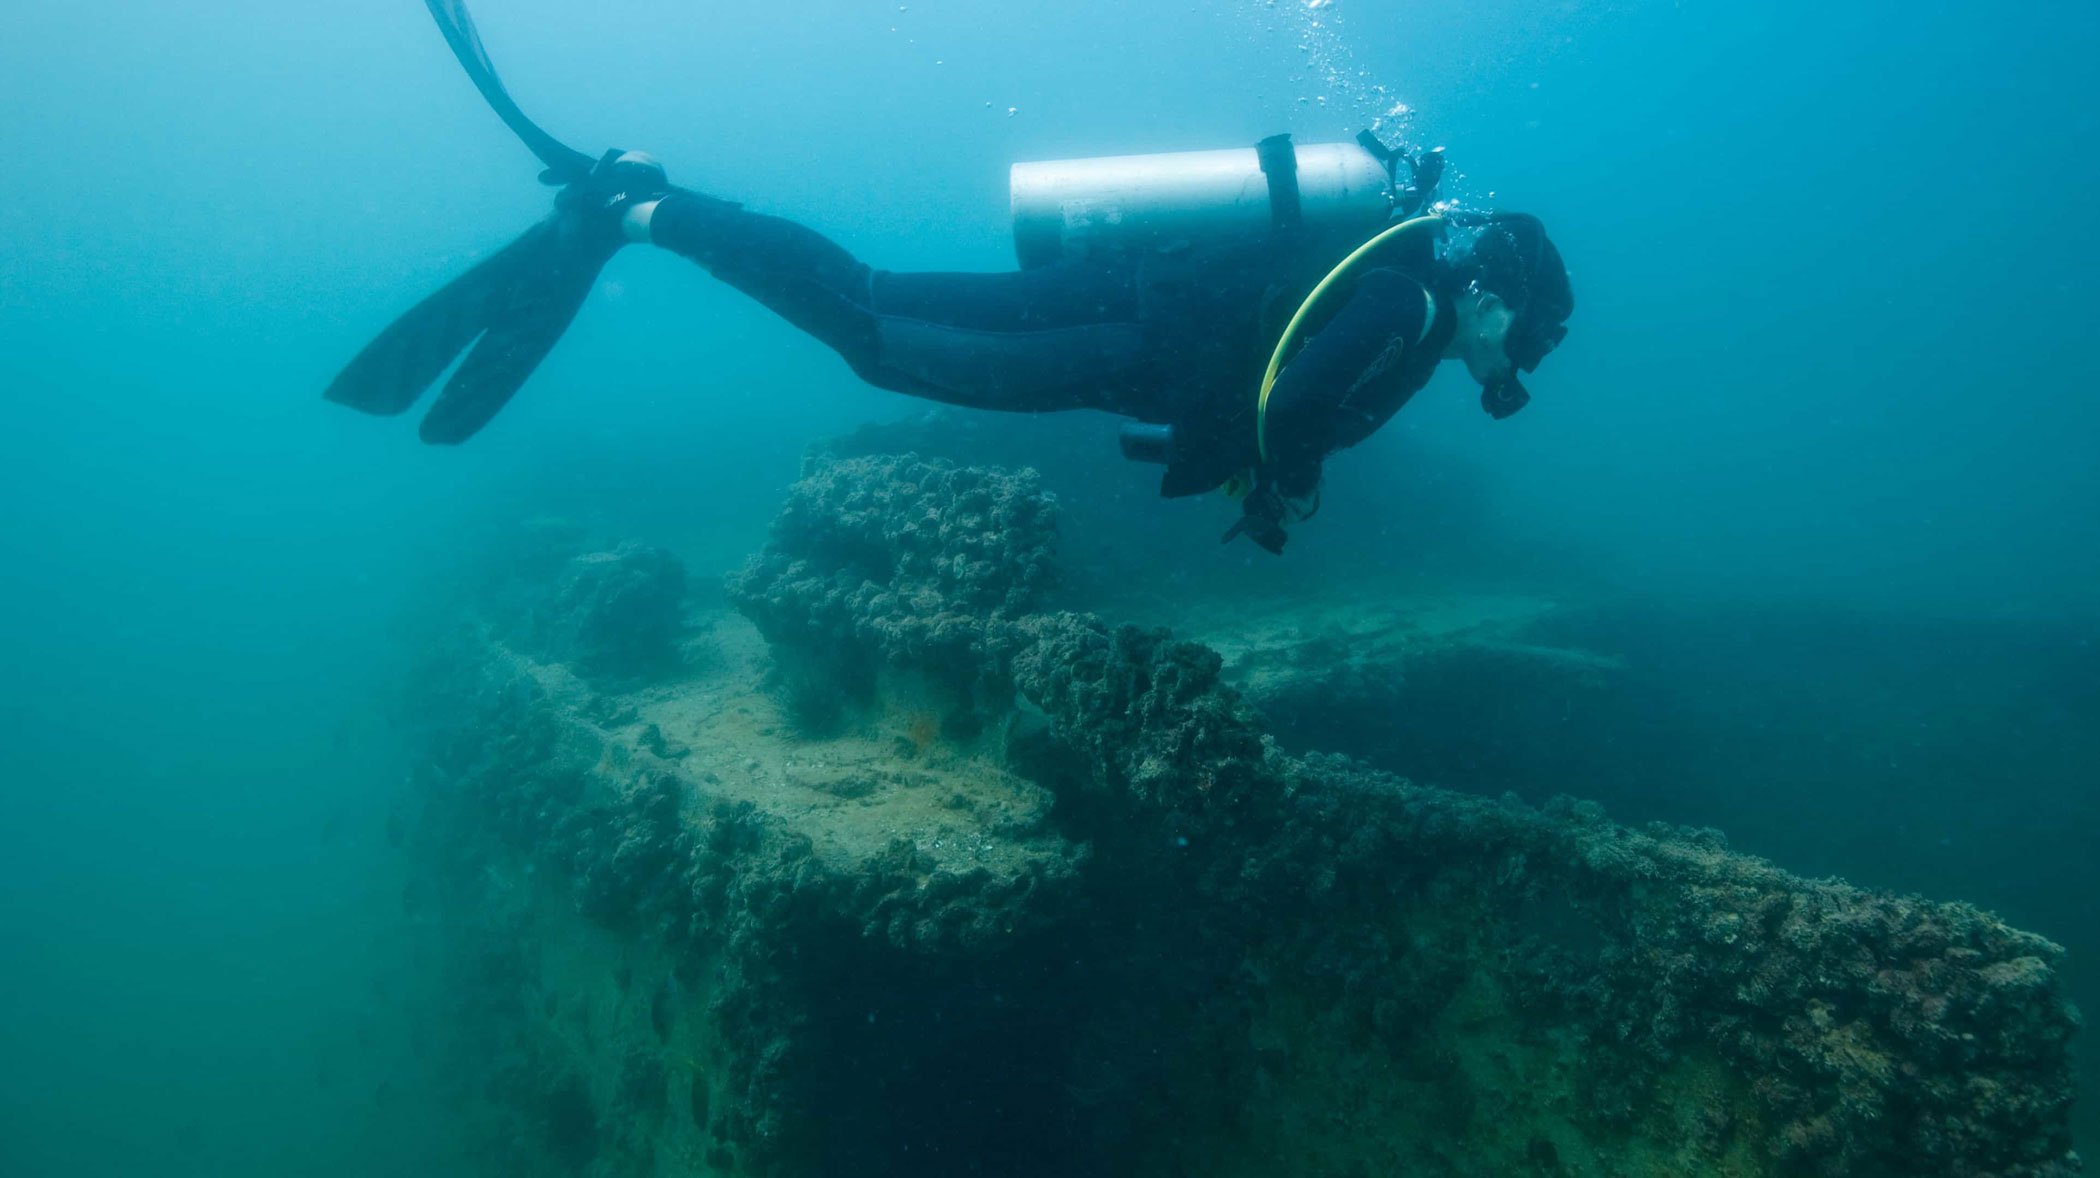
(510, 309)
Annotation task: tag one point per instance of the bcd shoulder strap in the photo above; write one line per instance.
(1279, 162)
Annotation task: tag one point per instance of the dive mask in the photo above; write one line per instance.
(1526, 345)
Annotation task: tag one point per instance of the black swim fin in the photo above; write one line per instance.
(394, 369)
(525, 321)
(516, 304)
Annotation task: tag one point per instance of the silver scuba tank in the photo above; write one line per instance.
(1073, 208)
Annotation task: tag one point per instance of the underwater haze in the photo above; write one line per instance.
(1816, 459)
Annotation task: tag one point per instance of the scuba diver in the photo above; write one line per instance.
(1151, 287)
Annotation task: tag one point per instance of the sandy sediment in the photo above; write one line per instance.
(895, 869)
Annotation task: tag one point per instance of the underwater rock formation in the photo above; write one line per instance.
(1458, 689)
(1038, 895)
(614, 613)
(902, 563)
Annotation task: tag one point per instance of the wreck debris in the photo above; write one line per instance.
(1112, 928)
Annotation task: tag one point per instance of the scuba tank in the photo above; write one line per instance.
(1076, 208)
(1276, 189)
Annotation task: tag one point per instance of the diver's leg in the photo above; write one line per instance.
(801, 275)
(1059, 337)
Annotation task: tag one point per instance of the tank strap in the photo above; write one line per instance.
(1279, 162)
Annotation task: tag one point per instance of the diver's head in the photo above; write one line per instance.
(1513, 306)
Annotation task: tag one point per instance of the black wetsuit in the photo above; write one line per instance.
(1177, 337)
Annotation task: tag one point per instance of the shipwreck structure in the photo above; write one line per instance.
(880, 865)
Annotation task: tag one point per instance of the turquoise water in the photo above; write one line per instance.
(1828, 380)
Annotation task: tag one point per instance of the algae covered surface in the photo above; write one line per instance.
(880, 862)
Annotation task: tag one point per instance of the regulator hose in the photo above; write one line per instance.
(1292, 330)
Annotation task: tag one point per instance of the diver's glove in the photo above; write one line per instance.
(506, 313)
(1261, 520)
(1265, 510)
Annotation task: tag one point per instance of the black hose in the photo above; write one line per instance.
(564, 163)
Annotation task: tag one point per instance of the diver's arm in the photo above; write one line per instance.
(1339, 389)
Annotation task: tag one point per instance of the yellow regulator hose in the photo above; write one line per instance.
(1297, 323)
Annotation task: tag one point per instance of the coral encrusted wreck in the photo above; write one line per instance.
(934, 880)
